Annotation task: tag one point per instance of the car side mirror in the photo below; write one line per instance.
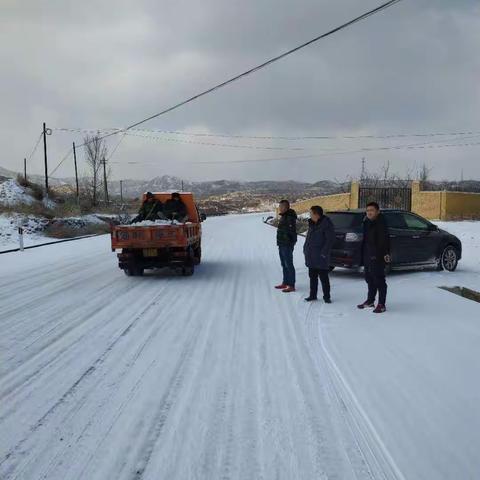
(433, 228)
(203, 217)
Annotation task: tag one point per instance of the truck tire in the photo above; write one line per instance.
(197, 255)
(133, 271)
(187, 270)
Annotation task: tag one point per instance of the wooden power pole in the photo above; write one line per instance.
(45, 156)
(76, 173)
(105, 184)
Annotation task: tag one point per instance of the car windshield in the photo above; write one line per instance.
(346, 220)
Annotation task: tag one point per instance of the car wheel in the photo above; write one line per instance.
(449, 259)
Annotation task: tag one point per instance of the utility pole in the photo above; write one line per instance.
(182, 185)
(25, 170)
(45, 156)
(105, 185)
(362, 175)
(76, 173)
(121, 191)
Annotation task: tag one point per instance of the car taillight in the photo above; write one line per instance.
(353, 237)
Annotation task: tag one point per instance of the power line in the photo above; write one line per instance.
(255, 69)
(323, 154)
(211, 144)
(67, 154)
(277, 137)
(32, 153)
(70, 152)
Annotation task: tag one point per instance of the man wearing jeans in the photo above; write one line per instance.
(286, 240)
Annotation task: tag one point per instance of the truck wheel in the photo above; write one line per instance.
(133, 272)
(197, 255)
(187, 270)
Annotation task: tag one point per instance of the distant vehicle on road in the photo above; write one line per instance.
(414, 241)
(162, 243)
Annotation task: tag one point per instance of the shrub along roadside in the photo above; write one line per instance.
(62, 230)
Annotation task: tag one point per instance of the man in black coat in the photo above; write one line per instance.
(151, 209)
(317, 249)
(286, 240)
(375, 255)
(175, 209)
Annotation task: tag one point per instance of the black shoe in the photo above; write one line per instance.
(366, 304)
(311, 299)
(327, 300)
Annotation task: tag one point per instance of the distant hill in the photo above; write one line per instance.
(133, 188)
(271, 188)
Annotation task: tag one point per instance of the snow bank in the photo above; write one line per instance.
(32, 230)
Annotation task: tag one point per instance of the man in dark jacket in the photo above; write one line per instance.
(317, 249)
(286, 240)
(151, 209)
(375, 255)
(175, 209)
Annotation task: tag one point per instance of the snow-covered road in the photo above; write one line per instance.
(215, 376)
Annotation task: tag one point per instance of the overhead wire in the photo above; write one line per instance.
(276, 137)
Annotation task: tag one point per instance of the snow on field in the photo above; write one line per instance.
(32, 226)
(220, 376)
(11, 194)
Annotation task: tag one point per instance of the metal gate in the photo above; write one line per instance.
(386, 197)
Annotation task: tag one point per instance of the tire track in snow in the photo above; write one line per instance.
(74, 387)
(168, 400)
(375, 454)
(107, 374)
(12, 381)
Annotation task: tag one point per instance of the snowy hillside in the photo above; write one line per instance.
(19, 206)
(13, 194)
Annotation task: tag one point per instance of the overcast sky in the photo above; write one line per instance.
(414, 68)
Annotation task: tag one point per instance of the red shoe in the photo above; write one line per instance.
(281, 286)
(288, 289)
(380, 308)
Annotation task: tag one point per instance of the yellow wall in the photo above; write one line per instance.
(432, 205)
(427, 204)
(354, 194)
(329, 203)
(461, 206)
(445, 205)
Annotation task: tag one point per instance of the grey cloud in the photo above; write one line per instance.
(414, 67)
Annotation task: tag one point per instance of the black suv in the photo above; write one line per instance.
(414, 241)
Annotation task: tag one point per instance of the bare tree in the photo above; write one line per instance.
(385, 178)
(95, 153)
(424, 173)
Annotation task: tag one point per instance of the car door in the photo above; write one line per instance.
(400, 238)
(425, 239)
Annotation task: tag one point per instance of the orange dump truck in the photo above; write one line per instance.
(160, 244)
